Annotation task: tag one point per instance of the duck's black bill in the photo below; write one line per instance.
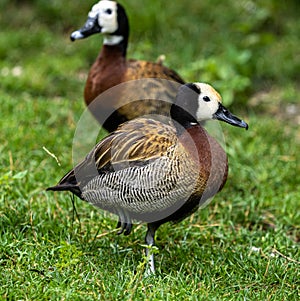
(224, 115)
(90, 27)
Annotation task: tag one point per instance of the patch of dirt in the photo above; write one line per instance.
(282, 104)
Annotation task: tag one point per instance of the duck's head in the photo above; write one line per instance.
(108, 18)
(197, 102)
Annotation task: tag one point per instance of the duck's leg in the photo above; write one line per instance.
(119, 224)
(124, 223)
(128, 228)
(150, 241)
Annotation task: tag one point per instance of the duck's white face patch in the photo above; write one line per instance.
(208, 100)
(107, 15)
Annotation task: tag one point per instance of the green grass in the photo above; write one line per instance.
(243, 246)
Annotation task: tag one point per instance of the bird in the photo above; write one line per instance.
(111, 68)
(153, 172)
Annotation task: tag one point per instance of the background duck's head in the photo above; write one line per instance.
(197, 102)
(108, 18)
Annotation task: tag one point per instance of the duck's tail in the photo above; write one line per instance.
(67, 183)
(67, 187)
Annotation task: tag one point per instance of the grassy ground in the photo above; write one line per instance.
(243, 246)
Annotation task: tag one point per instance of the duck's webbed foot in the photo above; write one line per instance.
(125, 227)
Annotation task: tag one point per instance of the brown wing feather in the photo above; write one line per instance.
(136, 69)
(133, 142)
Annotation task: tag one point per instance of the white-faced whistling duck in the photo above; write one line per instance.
(112, 68)
(153, 172)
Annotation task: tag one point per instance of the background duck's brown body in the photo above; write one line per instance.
(110, 69)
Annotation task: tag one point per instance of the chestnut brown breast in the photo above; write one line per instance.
(209, 163)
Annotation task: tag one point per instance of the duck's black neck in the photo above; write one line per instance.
(116, 43)
(123, 46)
(185, 107)
(122, 31)
(181, 118)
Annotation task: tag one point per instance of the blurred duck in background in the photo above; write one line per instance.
(112, 68)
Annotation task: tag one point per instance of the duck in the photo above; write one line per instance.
(112, 68)
(153, 172)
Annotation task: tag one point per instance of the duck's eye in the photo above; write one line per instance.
(206, 98)
(108, 11)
